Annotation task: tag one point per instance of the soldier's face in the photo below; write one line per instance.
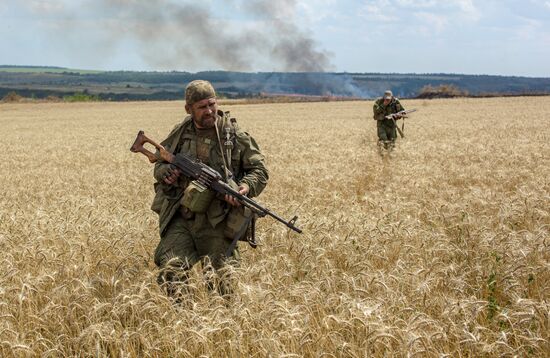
(203, 112)
(386, 101)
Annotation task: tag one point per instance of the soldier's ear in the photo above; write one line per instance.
(188, 109)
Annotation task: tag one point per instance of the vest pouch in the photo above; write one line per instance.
(197, 198)
(237, 222)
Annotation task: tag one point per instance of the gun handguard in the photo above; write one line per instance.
(205, 175)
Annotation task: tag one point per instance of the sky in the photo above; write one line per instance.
(494, 37)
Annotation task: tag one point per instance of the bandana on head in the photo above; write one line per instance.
(198, 90)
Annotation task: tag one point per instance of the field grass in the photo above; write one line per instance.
(441, 249)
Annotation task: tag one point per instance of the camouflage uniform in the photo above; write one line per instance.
(387, 129)
(186, 237)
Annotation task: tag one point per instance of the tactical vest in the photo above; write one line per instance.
(221, 150)
(182, 139)
(393, 107)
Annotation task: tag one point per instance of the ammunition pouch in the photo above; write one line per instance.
(238, 222)
(197, 198)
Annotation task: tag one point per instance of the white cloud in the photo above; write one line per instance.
(386, 10)
(46, 6)
(432, 22)
(468, 8)
(377, 11)
(315, 11)
(547, 4)
(418, 3)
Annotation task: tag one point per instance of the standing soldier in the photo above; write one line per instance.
(195, 223)
(387, 128)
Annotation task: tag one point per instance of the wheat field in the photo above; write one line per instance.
(441, 249)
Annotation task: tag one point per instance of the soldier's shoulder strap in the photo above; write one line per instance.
(396, 104)
(174, 137)
(180, 125)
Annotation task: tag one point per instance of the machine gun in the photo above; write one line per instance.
(400, 115)
(205, 175)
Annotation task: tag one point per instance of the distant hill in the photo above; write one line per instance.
(41, 82)
(43, 69)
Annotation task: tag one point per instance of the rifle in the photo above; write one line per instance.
(399, 115)
(205, 176)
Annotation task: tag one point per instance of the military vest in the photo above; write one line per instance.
(217, 150)
(393, 107)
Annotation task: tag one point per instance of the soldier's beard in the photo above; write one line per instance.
(206, 121)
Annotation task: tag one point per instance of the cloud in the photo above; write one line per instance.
(432, 22)
(469, 9)
(418, 3)
(42, 7)
(317, 10)
(391, 10)
(405, 19)
(377, 11)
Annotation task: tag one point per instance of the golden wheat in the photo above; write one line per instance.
(441, 249)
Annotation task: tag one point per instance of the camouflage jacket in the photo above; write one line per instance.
(247, 164)
(380, 110)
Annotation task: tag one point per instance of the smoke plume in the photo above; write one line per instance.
(183, 34)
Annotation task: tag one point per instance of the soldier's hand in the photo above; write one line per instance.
(243, 190)
(172, 175)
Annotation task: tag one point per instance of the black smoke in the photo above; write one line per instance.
(183, 34)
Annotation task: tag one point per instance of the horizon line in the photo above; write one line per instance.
(69, 69)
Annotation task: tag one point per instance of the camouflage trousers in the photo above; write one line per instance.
(387, 132)
(186, 242)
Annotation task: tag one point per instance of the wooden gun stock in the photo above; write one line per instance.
(138, 147)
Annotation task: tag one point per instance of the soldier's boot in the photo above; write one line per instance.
(386, 144)
(173, 281)
(219, 278)
(221, 285)
(381, 148)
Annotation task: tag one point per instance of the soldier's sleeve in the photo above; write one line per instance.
(253, 164)
(377, 108)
